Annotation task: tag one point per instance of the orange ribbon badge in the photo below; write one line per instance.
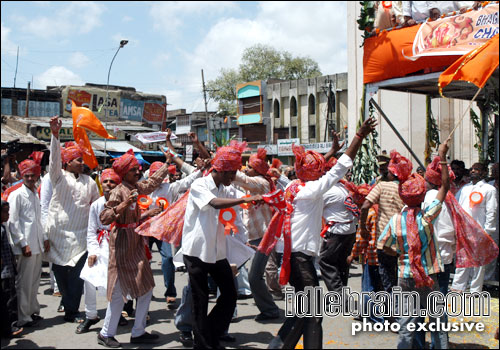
(162, 203)
(227, 218)
(475, 198)
(144, 201)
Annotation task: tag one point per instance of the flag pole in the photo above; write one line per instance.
(461, 119)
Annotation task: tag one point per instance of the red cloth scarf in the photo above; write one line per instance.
(154, 167)
(400, 166)
(415, 249)
(280, 224)
(310, 165)
(101, 234)
(126, 162)
(258, 161)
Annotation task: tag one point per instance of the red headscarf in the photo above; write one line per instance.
(330, 164)
(110, 174)
(258, 161)
(126, 162)
(433, 172)
(310, 165)
(172, 169)
(154, 167)
(228, 158)
(412, 191)
(29, 165)
(400, 166)
(70, 153)
(358, 193)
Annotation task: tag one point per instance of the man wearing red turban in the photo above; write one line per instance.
(386, 195)
(30, 242)
(67, 220)
(301, 230)
(410, 234)
(204, 245)
(255, 181)
(96, 276)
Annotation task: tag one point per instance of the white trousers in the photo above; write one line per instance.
(27, 283)
(114, 311)
(53, 283)
(472, 275)
(90, 300)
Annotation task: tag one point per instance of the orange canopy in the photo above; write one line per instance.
(383, 56)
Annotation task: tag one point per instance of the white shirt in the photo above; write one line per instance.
(94, 226)
(203, 235)
(25, 221)
(308, 208)
(171, 191)
(334, 210)
(68, 210)
(443, 228)
(418, 10)
(485, 212)
(45, 197)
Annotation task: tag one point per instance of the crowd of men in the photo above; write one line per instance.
(214, 217)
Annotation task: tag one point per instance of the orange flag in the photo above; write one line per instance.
(83, 118)
(475, 67)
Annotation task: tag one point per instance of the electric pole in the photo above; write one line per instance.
(206, 111)
(17, 62)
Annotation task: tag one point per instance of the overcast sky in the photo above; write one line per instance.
(63, 43)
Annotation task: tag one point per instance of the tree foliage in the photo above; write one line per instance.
(258, 62)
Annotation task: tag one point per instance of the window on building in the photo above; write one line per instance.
(312, 104)
(276, 109)
(294, 132)
(312, 131)
(293, 107)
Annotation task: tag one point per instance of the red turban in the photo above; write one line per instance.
(400, 166)
(310, 165)
(172, 169)
(358, 193)
(258, 161)
(71, 153)
(433, 172)
(228, 158)
(69, 144)
(29, 165)
(126, 162)
(154, 167)
(412, 191)
(110, 174)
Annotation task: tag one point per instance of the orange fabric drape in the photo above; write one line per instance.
(475, 67)
(383, 58)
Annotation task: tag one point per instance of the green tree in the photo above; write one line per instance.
(258, 62)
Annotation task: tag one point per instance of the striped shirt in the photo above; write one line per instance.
(364, 248)
(395, 236)
(69, 209)
(255, 219)
(386, 195)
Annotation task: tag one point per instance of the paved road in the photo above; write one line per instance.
(53, 332)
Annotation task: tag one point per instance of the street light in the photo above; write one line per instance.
(122, 44)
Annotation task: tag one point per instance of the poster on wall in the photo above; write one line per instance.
(153, 112)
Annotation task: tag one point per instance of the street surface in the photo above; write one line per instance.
(53, 333)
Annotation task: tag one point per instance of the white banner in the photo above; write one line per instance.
(150, 137)
(285, 146)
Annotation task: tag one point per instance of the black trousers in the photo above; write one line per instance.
(332, 260)
(8, 305)
(302, 274)
(70, 285)
(208, 328)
